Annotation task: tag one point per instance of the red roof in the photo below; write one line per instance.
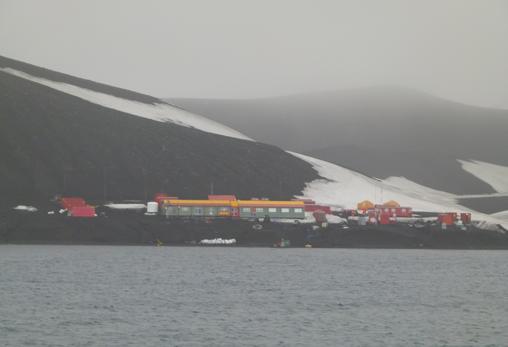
(323, 208)
(71, 202)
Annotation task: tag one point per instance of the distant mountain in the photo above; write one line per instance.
(381, 132)
(63, 135)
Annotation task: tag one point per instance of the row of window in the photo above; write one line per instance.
(272, 210)
(200, 210)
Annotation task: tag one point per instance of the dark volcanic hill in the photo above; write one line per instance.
(378, 131)
(55, 143)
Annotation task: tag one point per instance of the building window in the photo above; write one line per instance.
(245, 209)
(185, 209)
(272, 210)
(298, 210)
(260, 209)
(284, 210)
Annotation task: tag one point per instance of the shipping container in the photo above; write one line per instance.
(82, 211)
(448, 218)
(384, 219)
(465, 217)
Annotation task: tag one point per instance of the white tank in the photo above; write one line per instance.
(152, 208)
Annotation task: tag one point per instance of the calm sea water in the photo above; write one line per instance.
(172, 296)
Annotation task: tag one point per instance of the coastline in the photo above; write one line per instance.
(138, 229)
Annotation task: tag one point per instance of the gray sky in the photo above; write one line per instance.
(243, 49)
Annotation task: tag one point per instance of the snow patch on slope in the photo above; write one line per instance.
(503, 215)
(494, 175)
(345, 188)
(160, 112)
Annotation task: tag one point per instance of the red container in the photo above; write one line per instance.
(71, 202)
(465, 217)
(384, 219)
(82, 211)
(447, 218)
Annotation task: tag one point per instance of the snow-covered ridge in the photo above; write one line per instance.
(494, 175)
(345, 188)
(161, 112)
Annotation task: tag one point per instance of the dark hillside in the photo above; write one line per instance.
(378, 131)
(53, 143)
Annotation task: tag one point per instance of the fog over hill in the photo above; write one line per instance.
(380, 131)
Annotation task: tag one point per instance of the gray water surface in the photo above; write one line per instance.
(177, 296)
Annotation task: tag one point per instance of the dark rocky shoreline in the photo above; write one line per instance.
(38, 228)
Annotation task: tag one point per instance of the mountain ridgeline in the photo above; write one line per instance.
(54, 143)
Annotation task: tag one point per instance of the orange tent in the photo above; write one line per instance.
(391, 203)
(365, 205)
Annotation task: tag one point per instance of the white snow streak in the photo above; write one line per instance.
(494, 175)
(503, 215)
(345, 188)
(160, 112)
